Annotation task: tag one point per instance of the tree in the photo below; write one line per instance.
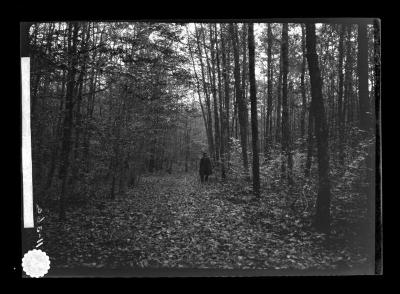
(208, 103)
(254, 116)
(279, 103)
(362, 69)
(67, 125)
(242, 107)
(268, 121)
(302, 82)
(221, 114)
(322, 216)
(340, 111)
(285, 108)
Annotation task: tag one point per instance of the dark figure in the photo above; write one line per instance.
(205, 168)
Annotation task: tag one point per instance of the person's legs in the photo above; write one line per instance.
(202, 178)
(206, 178)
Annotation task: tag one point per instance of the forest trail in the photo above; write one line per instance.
(173, 221)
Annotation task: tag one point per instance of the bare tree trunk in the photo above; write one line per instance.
(208, 103)
(221, 113)
(254, 116)
(286, 168)
(375, 202)
(68, 124)
(279, 104)
(242, 107)
(214, 90)
(362, 68)
(340, 98)
(322, 216)
(225, 75)
(302, 83)
(268, 120)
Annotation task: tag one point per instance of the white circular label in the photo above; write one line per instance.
(35, 263)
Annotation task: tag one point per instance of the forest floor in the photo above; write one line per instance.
(173, 221)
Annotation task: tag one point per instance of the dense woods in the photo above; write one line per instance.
(286, 112)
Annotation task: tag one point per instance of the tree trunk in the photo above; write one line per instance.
(221, 113)
(242, 107)
(286, 167)
(310, 141)
(340, 97)
(67, 125)
(214, 90)
(225, 75)
(208, 103)
(375, 206)
(279, 103)
(362, 68)
(322, 217)
(268, 120)
(254, 116)
(302, 83)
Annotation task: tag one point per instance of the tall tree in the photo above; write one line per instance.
(286, 167)
(221, 114)
(279, 103)
(378, 178)
(322, 216)
(268, 120)
(225, 75)
(211, 70)
(362, 68)
(348, 87)
(340, 111)
(68, 116)
(302, 82)
(242, 107)
(254, 116)
(207, 96)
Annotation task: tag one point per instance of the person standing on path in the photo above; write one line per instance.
(205, 167)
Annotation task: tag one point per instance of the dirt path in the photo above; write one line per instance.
(174, 221)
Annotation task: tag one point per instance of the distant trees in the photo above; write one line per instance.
(114, 101)
(107, 108)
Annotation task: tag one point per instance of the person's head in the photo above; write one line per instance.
(204, 154)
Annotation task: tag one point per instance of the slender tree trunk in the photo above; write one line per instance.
(347, 90)
(268, 120)
(208, 103)
(254, 116)
(225, 75)
(244, 77)
(286, 167)
(322, 217)
(362, 68)
(198, 86)
(310, 140)
(68, 124)
(375, 206)
(54, 156)
(214, 90)
(340, 98)
(302, 82)
(78, 115)
(279, 103)
(221, 113)
(242, 107)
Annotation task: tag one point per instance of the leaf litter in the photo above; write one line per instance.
(175, 222)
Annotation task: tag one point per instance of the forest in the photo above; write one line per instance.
(287, 113)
